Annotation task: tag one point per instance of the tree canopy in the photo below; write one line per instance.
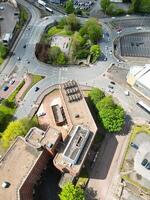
(142, 6)
(95, 52)
(96, 95)
(71, 192)
(69, 8)
(14, 129)
(72, 22)
(56, 56)
(92, 30)
(110, 115)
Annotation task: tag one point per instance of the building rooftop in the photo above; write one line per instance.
(76, 144)
(15, 166)
(83, 130)
(37, 138)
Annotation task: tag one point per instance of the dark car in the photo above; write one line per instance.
(144, 162)
(24, 46)
(5, 88)
(147, 166)
(112, 82)
(134, 145)
(110, 86)
(36, 89)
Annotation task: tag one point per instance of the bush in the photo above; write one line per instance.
(56, 56)
(71, 192)
(82, 54)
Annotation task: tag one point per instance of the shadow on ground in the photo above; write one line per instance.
(91, 194)
(105, 157)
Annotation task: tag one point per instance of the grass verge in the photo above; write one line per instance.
(35, 79)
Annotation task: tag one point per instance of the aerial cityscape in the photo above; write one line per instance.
(75, 100)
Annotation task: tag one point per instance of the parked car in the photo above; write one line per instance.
(147, 166)
(134, 145)
(5, 88)
(12, 81)
(126, 93)
(112, 82)
(1, 8)
(110, 86)
(36, 89)
(18, 58)
(144, 162)
(24, 46)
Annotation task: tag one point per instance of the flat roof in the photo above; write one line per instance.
(80, 115)
(78, 110)
(145, 79)
(76, 144)
(37, 137)
(15, 166)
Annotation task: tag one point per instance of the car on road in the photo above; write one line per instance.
(5, 88)
(36, 89)
(111, 91)
(12, 81)
(1, 8)
(18, 58)
(135, 146)
(24, 46)
(139, 28)
(110, 86)
(126, 93)
(144, 162)
(147, 166)
(112, 82)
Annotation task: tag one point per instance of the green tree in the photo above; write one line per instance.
(61, 59)
(16, 128)
(112, 118)
(104, 4)
(96, 95)
(71, 192)
(106, 103)
(77, 42)
(69, 7)
(95, 52)
(56, 56)
(92, 30)
(136, 4)
(111, 115)
(72, 22)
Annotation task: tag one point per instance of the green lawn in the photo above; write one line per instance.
(54, 31)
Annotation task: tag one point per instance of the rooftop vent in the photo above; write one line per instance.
(5, 184)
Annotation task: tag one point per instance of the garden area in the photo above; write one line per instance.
(70, 42)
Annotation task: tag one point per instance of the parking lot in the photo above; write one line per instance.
(8, 18)
(126, 23)
(135, 45)
(83, 4)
